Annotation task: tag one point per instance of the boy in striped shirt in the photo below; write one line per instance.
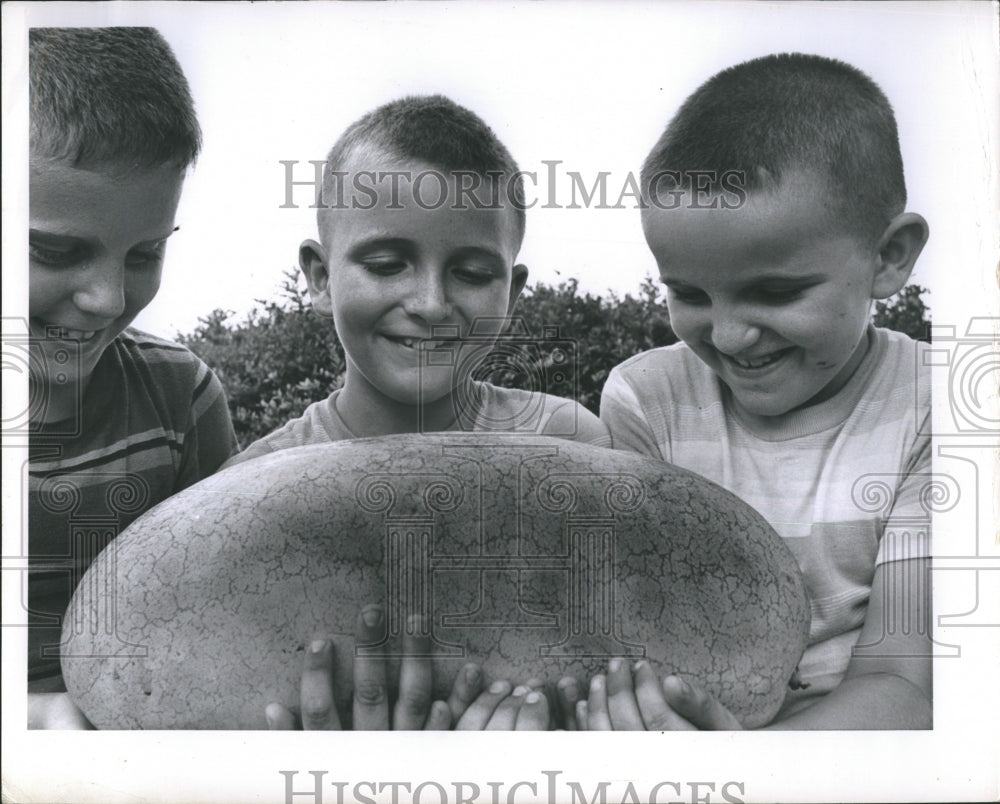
(774, 206)
(120, 420)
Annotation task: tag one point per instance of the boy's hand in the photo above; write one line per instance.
(616, 703)
(413, 709)
(55, 710)
(499, 709)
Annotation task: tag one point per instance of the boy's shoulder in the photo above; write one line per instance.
(518, 410)
(662, 371)
(156, 353)
(168, 373)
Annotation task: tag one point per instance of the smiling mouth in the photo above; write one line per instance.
(750, 364)
(56, 332)
(426, 344)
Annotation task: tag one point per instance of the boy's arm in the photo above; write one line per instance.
(887, 684)
(622, 413)
(572, 420)
(54, 710)
(210, 439)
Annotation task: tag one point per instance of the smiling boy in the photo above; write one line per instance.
(120, 420)
(421, 223)
(782, 390)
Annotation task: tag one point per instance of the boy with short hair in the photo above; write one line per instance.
(420, 221)
(120, 420)
(775, 209)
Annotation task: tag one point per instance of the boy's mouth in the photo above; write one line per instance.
(426, 344)
(56, 332)
(756, 363)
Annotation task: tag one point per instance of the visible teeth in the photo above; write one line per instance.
(76, 334)
(757, 363)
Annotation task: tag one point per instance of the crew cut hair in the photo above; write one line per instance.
(109, 96)
(437, 131)
(791, 111)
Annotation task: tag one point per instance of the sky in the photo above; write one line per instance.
(585, 87)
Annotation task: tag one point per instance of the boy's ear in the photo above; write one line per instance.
(519, 278)
(312, 261)
(898, 249)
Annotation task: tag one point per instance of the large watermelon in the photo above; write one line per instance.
(539, 557)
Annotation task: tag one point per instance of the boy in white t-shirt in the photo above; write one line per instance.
(775, 209)
(420, 223)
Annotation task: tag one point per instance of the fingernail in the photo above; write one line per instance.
(597, 683)
(566, 682)
(520, 690)
(639, 664)
(533, 697)
(317, 645)
(499, 686)
(615, 665)
(372, 616)
(472, 673)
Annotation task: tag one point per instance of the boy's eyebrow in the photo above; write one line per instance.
(370, 243)
(39, 233)
(405, 244)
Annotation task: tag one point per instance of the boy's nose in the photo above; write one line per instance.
(428, 300)
(101, 292)
(732, 335)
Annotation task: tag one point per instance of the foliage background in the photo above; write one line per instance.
(281, 357)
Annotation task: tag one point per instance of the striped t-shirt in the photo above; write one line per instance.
(153, 421)
(827, 477)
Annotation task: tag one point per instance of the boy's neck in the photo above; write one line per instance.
(368, 413)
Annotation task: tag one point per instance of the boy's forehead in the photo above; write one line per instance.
(104, 197)
(768, 224)
(387, 193)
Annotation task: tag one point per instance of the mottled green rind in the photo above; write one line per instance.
(218, 589)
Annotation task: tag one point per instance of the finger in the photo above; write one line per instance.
(371, 696)
(598, 718)
(581, 715)
(479, 713)
(415, 678)
(319, 713)
(279, 718)
(534, 712)
(622, 707)
(468, 685)
(567, 697)
(656, 712)
(505, 715)
(699, 707)
(439, 718)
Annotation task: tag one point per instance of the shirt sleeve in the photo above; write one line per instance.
(907, 531)
(210, 439)
(585, 426)
(622, 414)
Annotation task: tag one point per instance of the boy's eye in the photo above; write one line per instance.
(140, 258)
(778, 295)
(55, 257)
(688, 295)
(474, 275)
(384, 267)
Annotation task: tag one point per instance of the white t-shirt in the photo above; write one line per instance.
(827, 477)
(497, 410)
